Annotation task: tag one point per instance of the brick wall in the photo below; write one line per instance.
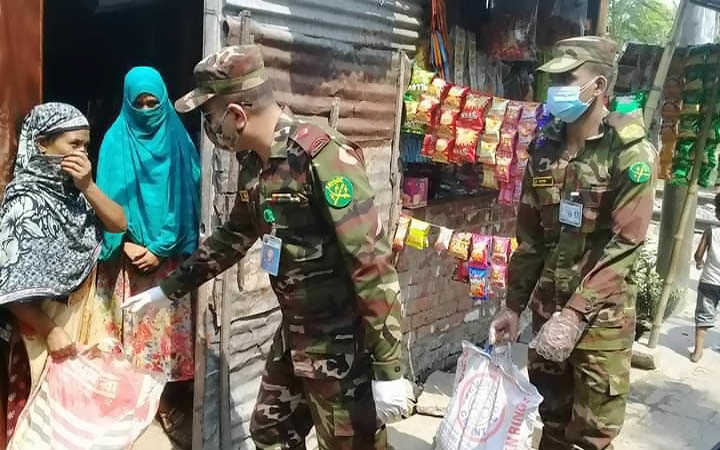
(438, 312)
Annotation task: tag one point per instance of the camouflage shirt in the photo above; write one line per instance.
(585, 268)
(337, 287)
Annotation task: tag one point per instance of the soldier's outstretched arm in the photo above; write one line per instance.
(340, 172)
(226, 246)
(633, 182)
(528, 260)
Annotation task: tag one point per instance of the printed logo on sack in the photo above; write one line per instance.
(489, 420)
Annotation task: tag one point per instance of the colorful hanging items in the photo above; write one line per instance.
(401, 233)
(460, 246)
(442, 244)
(418, 233)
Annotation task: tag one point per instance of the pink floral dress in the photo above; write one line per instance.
(160, 339)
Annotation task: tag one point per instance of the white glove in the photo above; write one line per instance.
(154, 296)
(391, 399)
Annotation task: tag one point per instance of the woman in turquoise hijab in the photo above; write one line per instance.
(149, 165)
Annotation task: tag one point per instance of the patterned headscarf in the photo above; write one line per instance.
(49, 233)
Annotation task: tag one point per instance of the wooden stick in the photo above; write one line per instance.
(669, 282)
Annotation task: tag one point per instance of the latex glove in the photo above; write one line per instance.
(391, 399)
(504, 328)
(154, 296)
(559, 335)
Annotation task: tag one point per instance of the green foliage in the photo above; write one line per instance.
(649, 289)
(641, 21)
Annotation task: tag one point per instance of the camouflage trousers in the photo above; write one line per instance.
(342, 410)
(584, 397)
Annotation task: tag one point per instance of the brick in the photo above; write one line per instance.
(421, 319)
(422, 332)
(418, 305)
(406, 325)
(457, 318)
(465, 304)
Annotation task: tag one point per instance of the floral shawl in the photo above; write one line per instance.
(49, 234)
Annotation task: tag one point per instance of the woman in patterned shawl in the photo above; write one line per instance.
(51, 222)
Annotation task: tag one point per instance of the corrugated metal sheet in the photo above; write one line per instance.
(318, 53)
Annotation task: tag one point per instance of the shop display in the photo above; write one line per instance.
(466, 142)
(479, 283)
(460, 246)
(443, 150)
(473, 112)
(500, 250)
(487, 148)
(480, 253)
(498, 276)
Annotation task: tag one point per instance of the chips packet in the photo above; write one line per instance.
(460, 245)
(401, 233)
(456, 97)
(479, 286)
(487, 148)
(428, 146)
(418, 233)
(466, 142)
(438, 88)
(448, 122)
(498, 276)
(473, 112)
(443, 150)
(480, 254)
(500, 250)
(442, 244)
(427, 110)
(460, 274)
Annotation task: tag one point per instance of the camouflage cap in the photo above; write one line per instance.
(231, 70)
(569, 54)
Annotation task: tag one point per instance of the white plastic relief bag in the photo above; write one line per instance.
(494, 405)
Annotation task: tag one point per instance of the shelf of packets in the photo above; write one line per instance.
(461, 126)
(700, 68)
(482, 260)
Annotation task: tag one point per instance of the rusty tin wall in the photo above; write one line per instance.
(319, 53)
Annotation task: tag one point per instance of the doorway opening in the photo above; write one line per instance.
(90, 45)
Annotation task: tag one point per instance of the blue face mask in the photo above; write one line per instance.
(564, 102)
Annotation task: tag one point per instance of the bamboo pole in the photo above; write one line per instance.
(653, 100)
(700, 143)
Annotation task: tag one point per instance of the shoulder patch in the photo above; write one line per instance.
(629, 127)
(311, 138)
(640, 172)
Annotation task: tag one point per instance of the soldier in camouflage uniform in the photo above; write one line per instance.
(336, 358)
(586, 205)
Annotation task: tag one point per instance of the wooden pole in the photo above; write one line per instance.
(700, 143)
(601, 29)
(653, 100)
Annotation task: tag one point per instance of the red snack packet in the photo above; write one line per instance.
(487, 148)
(512, 114)
(480, 255)
(466, 142)
(500, 250)
(427, 109)
(473, 112)
(460, 273)
(506, 146)
(531, 111)
(498, 276)
(522, 148)
(502, 168)
(448, 122)
(443, 150)
(428, 146)
(456, 97)
(507, 193)
(438, 88)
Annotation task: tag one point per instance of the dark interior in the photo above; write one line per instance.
(90, 45)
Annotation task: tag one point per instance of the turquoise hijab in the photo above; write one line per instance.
(150, 166)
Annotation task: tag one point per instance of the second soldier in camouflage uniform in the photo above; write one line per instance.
(582, 220)
(335, 283)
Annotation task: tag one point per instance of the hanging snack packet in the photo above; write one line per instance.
(480, 254)
(456, 97)
(411, 125)
(498, 276)
(500, 250)
(531, 111)
(428, 146)
(506, 147)
(448, 122)
(443, 150)
(460, 274)
(460, 246)
(513, 245)
(689, 126)
(473, 112)
(496, 115)
(443, 241)
(420, 80)
(512, 115)
(506, 194)
(502, 168)
(466, 142)
(418, 234)
(401, 233)
(479, 283)
(487, 148)
(488, 178)
(438, 88)
(427, 110)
